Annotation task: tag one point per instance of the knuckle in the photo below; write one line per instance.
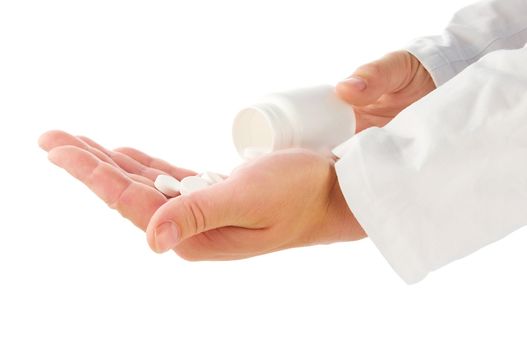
(375, 68)
(371, 69)
(399, 59)
(143, 171)
(114, 198)
(193, 213)
(120, 198)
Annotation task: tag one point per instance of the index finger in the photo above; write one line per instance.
(155, 163)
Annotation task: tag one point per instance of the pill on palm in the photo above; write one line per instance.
(167, 185)
(192, 183)
(212, 178)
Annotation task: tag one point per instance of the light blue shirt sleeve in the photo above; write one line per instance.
(473, 32)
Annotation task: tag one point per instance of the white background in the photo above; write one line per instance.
(167, 77)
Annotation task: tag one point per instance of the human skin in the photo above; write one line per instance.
(381, 89)
(285, 199)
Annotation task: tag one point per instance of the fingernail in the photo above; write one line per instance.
(166, 236)
(356, 82)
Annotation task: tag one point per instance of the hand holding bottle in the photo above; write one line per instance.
(285, 199)
(379, 90)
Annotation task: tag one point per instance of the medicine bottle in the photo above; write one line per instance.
(313, 117)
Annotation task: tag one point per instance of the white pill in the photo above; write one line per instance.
(167, 185)
(253, 152)
(192, 183)
(212, 178)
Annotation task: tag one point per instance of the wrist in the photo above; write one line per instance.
(339, 223)
(347, 227)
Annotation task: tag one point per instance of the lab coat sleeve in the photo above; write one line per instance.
(473, 32)
(448, 175)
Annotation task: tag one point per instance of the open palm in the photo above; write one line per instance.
(263, 206)
(123, 178)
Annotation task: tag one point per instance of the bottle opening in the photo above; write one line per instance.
(252, 130)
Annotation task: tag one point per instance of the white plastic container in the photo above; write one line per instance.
(314, 118)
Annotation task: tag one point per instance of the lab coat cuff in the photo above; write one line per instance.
(375, 212)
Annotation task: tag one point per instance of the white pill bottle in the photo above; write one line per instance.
(314, 118)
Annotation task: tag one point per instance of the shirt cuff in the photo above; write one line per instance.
(437, 62)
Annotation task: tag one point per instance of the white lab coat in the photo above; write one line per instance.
(448, 175)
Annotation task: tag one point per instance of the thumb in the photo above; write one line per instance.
(370, 81)
(187, 215)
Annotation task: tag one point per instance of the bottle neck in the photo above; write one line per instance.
(281, 129)
(262, 128)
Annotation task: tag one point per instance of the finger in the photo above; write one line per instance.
(366, 120)
(185, 216)
(134, 200)
(127, 163)
(95, 145)
(155, 163)
(56, 138)
(369, 82)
